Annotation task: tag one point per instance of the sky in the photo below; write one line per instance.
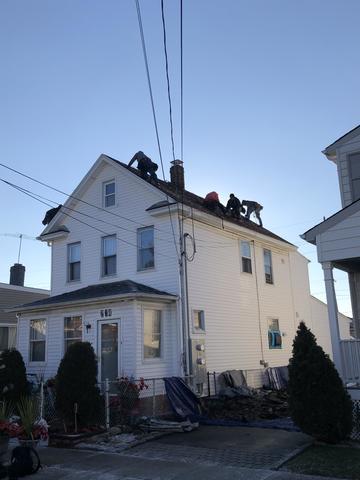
(267, 86)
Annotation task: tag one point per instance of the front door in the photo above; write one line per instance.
(109, 351)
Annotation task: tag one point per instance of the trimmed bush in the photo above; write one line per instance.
(76, 383)
(318, 401)
(13, 382)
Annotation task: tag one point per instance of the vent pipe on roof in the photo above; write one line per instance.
(177, 175)
(17, 275)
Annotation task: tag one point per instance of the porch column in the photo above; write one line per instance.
(333, 315)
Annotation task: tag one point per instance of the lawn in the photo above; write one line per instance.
(339, 462)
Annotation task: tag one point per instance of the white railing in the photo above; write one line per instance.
(350, 351)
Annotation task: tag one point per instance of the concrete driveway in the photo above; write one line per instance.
(210, 452)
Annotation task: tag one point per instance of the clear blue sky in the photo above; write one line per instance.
(267, 85)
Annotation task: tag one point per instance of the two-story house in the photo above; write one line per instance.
(338, 246)
(161, 286)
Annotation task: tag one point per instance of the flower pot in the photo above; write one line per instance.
(28, 442)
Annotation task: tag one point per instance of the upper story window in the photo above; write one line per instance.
(269, 278)
(145, 244)
(246, 257)
(37, 340)
(274, 334)
(109, 194)
(74, 261)
(354, 167)
(152, 334)
(72, 331)
(109, 255)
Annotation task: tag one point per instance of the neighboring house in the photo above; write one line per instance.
(116, 282)
(11, 295)
(338, 246)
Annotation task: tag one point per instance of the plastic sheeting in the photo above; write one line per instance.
(182, 399)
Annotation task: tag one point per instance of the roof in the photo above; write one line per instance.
(195, 201)
(310, 235)
(121, 288)
(347, 136)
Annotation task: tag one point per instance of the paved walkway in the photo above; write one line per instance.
(226, 453)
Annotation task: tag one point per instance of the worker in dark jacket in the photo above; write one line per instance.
(234, 207)
(253, 207)
(145, 165)
(211, 201)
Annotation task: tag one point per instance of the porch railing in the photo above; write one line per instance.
(350, 351)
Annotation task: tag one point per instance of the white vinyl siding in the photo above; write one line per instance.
(108, 247)
(152, 334)
(109, 194)
(268, 268)
(246, 257)
(72, 331)
(37, 340)
(74, 262)
(145, 243)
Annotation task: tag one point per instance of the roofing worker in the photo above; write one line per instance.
(145, 165)
(211, 201)
(234, 206)
(253, 207)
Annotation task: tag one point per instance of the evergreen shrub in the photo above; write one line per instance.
(13, 381)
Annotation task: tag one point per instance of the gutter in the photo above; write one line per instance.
(92, 301)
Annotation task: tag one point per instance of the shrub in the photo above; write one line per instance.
(13, 382)
(76, 383)
(318, 401)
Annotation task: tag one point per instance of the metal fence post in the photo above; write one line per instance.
(153, 397)
(107, 404)
(41, 399)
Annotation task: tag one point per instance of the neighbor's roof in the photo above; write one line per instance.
(124, 288)
(347, 136)
(195, 201)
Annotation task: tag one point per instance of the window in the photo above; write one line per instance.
(145, 243)
(74, 262)
(72, 331)
(152, 334)
(37, 340)
(268, 267)
(354, 163)
(246, 257)
(274, 335)
(198, 321)
(7, 337)
(109, 255)
(109, 194)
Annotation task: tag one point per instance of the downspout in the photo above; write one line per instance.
(262, 361)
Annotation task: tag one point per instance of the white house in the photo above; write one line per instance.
(232, 299)
(338, 246)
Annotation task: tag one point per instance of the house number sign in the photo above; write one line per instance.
(106, 312)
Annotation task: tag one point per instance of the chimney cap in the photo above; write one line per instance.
(177, 162)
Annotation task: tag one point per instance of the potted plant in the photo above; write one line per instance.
(30, 429)
(5, 427)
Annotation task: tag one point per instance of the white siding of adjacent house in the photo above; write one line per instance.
(133, 197)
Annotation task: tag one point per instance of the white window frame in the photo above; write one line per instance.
(104, 196)
(103, 274)
(271, 267)
(242, 242)
(31, 341)
(72, 315)
(278, 332)
(10, 325)
(69, 245)
(195, 312)
(161, 356)
(139, 232)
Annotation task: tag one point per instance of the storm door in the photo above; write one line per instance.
(109, 349)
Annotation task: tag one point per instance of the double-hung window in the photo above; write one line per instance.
(269, 277)
(7, 337)
(109, 255)
(246, 257)
(37, 340)
(274, 334)
(74, 261)
(145, 244)
(109, 194)
(152, 334)
(72, 331)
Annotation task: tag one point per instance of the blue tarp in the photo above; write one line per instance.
(183, 401)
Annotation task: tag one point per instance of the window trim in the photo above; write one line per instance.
(202, 329)
(245, 257)
(271, 267)
(138, 232)
(38, 362)
(69, 245)
(108, 182)
(161, 357)
(102, 263)
(81, 315)
(274, 347)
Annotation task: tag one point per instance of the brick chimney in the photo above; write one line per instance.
(17, 274)
(177, 175)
